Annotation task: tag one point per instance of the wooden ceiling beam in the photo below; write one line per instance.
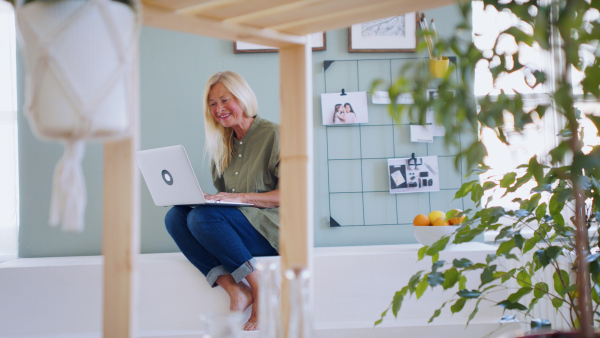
(194, 9)
(347, 17)
(167, 19)
(274, 10)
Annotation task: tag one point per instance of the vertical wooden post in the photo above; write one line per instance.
(296, 161)
(121, 229)
(121, 237)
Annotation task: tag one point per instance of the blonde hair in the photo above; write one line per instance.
(218, 139)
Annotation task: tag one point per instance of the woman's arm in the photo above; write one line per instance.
(268, 199)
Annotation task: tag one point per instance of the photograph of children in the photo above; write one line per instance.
(344, 109)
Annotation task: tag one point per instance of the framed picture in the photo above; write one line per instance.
(319, 42)
(393, 34)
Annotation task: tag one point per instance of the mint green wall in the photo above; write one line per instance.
(174, 67)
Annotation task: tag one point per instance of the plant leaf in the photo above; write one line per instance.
(462, 282)
(475, 310)
(557, 303)
(462, 263)
(553, 251)
(436, 265)
(397, 303)
(451, 277)
(524, 279)
(422, 287)
(558, 283)
(505, 247)
(542, 258)
(383, 314)
(465, 189)
(464, 293)
(508, 305)
(435, 278)
(541, 289)
(438, 246)
(414, 281)
(540, 212)
(421, 253)
(458, 305)
(487, 275)
(516, 296)
(437, 312)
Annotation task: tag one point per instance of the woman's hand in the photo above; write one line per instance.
(226, 197)
(261, 200)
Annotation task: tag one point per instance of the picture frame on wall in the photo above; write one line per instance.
(319, 41)
(395, 34)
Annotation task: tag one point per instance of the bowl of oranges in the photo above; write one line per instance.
(428, 229)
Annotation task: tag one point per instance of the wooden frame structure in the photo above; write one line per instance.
(279, 23)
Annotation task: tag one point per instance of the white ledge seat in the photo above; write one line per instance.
(62, 297)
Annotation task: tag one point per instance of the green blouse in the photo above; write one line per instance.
(254, 167)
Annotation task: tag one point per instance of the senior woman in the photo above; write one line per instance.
(221, 241)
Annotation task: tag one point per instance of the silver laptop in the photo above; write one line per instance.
(170, 178)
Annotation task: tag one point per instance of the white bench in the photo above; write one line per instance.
(61, 297)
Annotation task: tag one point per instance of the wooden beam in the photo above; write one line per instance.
(296, 161)
(272, 11)
(162, 18)
(198, 8)
(121, 228)
(345, 17)
(120, 237)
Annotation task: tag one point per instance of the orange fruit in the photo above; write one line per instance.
(455, 220)
(421, 219)
(435, 215)
(440, 221)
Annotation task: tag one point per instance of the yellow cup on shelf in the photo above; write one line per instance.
(438, 68)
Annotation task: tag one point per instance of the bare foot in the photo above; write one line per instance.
(252, 323)
(241, 298)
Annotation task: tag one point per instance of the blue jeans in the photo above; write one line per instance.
(217, 240)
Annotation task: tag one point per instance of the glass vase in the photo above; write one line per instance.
(268, 304)
(227, 325)
(300, 320)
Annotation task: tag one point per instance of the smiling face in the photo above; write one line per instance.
(224, 107)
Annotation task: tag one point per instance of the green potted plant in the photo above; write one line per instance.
(547, 229)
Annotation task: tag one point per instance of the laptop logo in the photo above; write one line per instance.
(166, 176)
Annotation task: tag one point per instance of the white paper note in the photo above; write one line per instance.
(420, 133)
(398, 178)
(383, 97)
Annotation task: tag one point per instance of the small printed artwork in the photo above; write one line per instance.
(344, 108)
(393, 34)
(413, 174)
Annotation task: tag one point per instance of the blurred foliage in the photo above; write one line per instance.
(563, 179)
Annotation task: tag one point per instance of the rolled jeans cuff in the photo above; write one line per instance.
(243, 271)
(214, 273)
